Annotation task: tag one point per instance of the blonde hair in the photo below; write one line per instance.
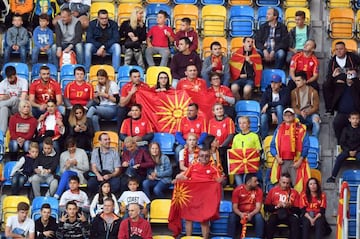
(244, 118)
(129, 140)
(133, 18)
(72, 118)
(34, 145)
(22, 103)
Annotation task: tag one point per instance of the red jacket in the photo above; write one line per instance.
(141, 228)
(22, 127)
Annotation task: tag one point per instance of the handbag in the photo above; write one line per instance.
(88, 174)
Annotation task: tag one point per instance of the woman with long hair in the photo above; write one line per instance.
(80, 127)
(97, 204)
(190, 153)
(163, 82)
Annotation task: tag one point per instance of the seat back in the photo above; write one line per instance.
(290, 16)
(9, 206)
(35, 71)
(206, 43)
(212, 2)
(269, 159)
(267, 3)
(339, 3)
(95, 68)
(162, 237)
(295, 3)
(114, 139)
(314, 152)
(67, 74)
(186, 10)
(251, 109)
(158, 1)
(124, 11)
(267, 76)
(159, 210)
(166, 142)
(151, 14)
(180, 2)
(350, 44)
(261, 15)
(124, 73)
(152, 73)
(213, 19)
(241, 2)
(96, 6)
(39, 201)
(235, 44)
(315, 173)
(241, 21)
(219, 227)
(341, 23)
(22, 69)
(7, 171)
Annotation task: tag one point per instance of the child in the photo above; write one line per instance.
(17, 39)
(23, 169)
(97, 203)
(133, 196)
(350, 144)
(74, 194)
(158, 40)
(189, 154)
(245, 139)
(43, 39)
(187, 31)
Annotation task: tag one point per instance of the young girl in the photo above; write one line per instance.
(23, 169)
(189, 154)
(245, 139)
(96, 206)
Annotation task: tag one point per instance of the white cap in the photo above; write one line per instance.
(289, 110)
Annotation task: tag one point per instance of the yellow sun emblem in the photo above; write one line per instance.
(181, 195)
(172, 111)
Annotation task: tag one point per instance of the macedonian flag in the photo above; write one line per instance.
(343, 202)
(242, 161)
(190, 201)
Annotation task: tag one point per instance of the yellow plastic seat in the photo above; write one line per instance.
(290, 16)
(339, 150)
(186, 10)
(350, 44)
(7, 141)
(162, 237)
(213, 20)
(338, 3)
(130, 1)
(124, 11)
(341, 23)
(114, 139)
(315, 173)
(235, 44)
(206, 50)
(157, 1)
(296, 3)
(159, 210)
(152, 73)
(9, 206)
(96, 6)
(240, 2)
(94, 69)
(191, 237)
(269, 159)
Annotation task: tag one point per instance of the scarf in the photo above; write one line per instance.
(186, 156)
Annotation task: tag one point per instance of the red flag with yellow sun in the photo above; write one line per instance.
(242, 161)
(194, 201)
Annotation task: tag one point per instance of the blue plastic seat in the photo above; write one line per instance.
(261, 15)
(267, 75)
(219, 227)
(124, 73)
(151, 14)
(241, 21)
(269, 3)
(196, 228)
(185, 2)
(251, 109)
(39, 201)
(22, 69)
(353, 179)
(166, 142)
(212, 2)
(67, 74)
(314, 152)
(35, 71)
(7, 171)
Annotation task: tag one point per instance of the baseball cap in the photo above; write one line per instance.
(289, 110)
(276, 78)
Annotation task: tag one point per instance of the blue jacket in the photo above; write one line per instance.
(163, 170)
(43, 38)
(98, 36)
(266, 98)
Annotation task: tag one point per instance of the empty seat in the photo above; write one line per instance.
(214, 2)
(341, 23)
(338, 3)
(241, 21)
(240, 2)
(186, 10)
(268, 3)
(290, 16)
(295, 3)
(159, 210)
(213, 20)
(185, 1)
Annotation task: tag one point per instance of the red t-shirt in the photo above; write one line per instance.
(285, 148)
(300, 62)
(277, 195)
(158, 37)
(196, 126)
(140, 127)
(196, 85)
(314, 205)
(246, 200)
(221, 129)
(127, 88)
(44, 92)
(79, 94)
(223, 89)
(198, 171)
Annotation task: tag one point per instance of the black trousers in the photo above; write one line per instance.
(292, 221)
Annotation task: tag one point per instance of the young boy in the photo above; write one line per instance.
(16, 39)
(158, 40)
(75, 194)
(43, 40)
(187, 31)
(133, 196)
(20, 226)
(23, 169)
(350, 144)
(45, 226)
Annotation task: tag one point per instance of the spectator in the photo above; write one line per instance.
(307, 62)
(106, 98)
(20, 226)
(45, 169)
(189, 154)
(216, 62)
(42, 90)
(163, 82)
(43, 38)
(137, 127)
(68, 33)
(350, 144)
(272, 39)
(132, 35)
(47, 8)
(73, 223)
(23, 9)
(134, 226)
(245, 68)
(97, 205)
(157, 40)
(337, 74)
(106, 217)
(74, 194)
(73, 161)
(273, 101)
(45, 226)
(187, 31)
(192, 82)
(78, 9)
(283, 204)
(247, 201)
(159, 179)
(313, 205)
(183, 58)
(24, 169)
(12, 90)
(80, 127)
(105, 164)
(102, 38)
(298, 35)
(212, 144)
(17, 39)
(305, 102)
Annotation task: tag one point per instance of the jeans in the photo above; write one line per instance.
(36, 112)
(98, 112)
(78, 50)
(93, 185)
(17, 182)
(280, 56)
(311, 120)
(234, 225)
(157, 186)
(37, 179)
(8, 50)
(14, 147)
(114, 50)
(339, 161)
(163, 51)
(64, 181)
(266, 117)
(35, 55)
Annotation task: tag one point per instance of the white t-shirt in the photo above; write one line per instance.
(341, 61)
(14, 89)
(80, 198)
(113, 90)
(138, 197)
(24, 228)
(181, 156)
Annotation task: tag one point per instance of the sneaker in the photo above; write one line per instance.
(331, 180)
(329, 113)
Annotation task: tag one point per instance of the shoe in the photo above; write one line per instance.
(329, 113)
(331, 180)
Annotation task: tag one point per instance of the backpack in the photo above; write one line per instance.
(21, 6)
(68, 58)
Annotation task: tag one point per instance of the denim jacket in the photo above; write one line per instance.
(163, 170)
